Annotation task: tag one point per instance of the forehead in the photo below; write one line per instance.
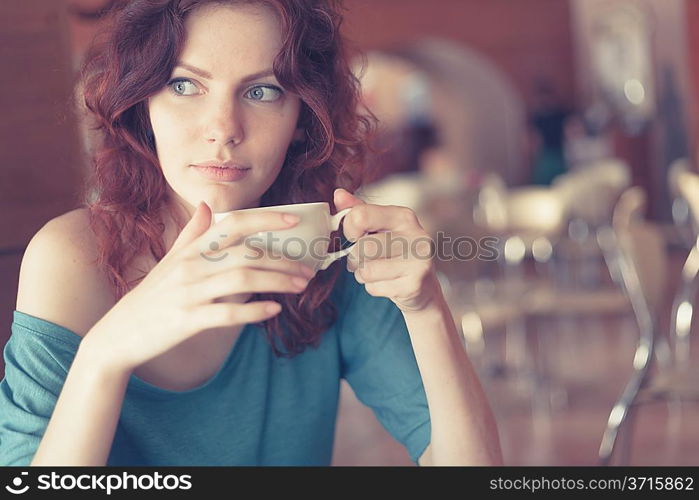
(223, 37)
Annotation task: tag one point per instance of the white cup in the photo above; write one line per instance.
(307, 241)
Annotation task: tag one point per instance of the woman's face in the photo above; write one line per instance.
(223, 104)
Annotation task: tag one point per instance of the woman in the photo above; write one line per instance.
(129, 348)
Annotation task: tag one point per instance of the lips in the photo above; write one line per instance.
(221, 164)
(220, 173)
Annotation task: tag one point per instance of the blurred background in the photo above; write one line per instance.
(548, 144)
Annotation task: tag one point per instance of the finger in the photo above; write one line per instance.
(232, 229)
(242, 281)
(242, 256)
(398, 288)
(382, 270)
(227, 314)
(344, 199)
(366, 218)
(197, 225)
(384, 245)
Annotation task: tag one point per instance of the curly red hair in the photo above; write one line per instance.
(127, 190)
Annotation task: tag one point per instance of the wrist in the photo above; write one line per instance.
(434, 305)
(96, 351)
(434, 310)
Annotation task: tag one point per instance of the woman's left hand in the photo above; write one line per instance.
(395, 260)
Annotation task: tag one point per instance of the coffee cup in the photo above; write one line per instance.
(307, 241)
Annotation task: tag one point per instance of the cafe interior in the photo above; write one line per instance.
(547, 146)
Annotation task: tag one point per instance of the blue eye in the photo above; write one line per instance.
(264, 93)
(178, 86)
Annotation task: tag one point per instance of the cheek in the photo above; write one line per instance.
(169, 123)
(274, 134)
(274, 144)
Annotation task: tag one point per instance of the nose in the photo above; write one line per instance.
(224, 123)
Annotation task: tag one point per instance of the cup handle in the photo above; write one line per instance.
(335, 225)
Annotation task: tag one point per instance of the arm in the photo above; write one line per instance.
(175, 302)
(58, 283)
(82, 427)
(463, 427)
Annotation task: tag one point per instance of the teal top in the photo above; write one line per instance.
(257, 410)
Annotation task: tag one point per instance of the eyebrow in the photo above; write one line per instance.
(209, 76)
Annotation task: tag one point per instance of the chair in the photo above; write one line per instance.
(687, 185)
(531, 222)
(527, 222)
(684, 226)
(641, 265)
(527, 213)
(590, 191)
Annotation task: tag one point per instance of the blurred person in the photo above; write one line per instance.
(547, 122)
(129, 348)
(397, 93)
(583, 144)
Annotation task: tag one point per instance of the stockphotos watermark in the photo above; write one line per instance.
(372, 246)
(101, 482)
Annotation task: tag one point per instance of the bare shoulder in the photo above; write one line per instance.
(59, 279)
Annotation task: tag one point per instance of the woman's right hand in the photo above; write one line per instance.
(177, 299)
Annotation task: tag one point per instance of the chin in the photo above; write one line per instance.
(228, 205)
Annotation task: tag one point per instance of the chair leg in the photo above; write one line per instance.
(663, 352)
(606, 449)
(617, 435)
(626, 440)
(541, 404)
(550, 391)
(682, 350)
(618, 418)
(674, 413)
(517, 355)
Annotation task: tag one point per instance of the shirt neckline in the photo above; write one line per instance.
(139, 383)
(45, 327)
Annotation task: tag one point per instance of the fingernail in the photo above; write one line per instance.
(299, 282)
(310, 273)
(291, 218)
(273, 308)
